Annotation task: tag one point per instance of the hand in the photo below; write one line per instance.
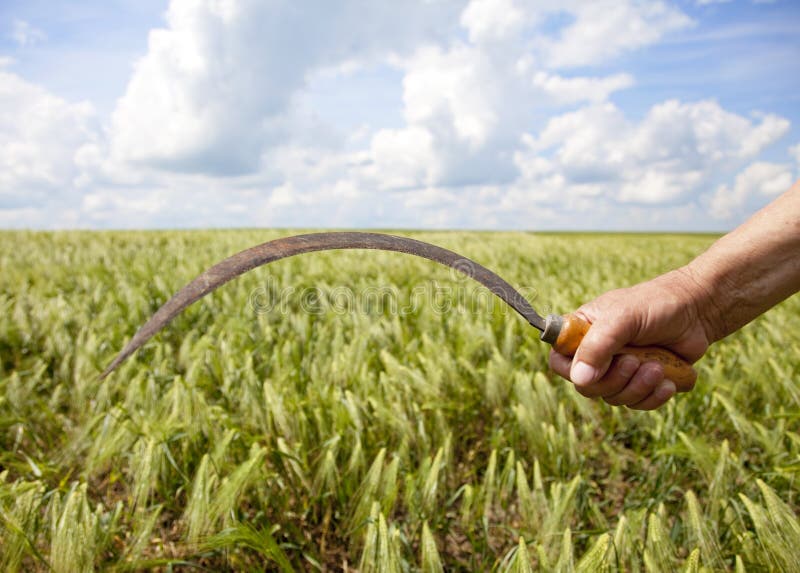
(667, 311)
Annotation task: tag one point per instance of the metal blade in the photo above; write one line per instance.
(268, 252)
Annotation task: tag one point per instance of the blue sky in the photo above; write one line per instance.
(490, 114)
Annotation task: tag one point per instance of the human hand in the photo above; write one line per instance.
(668, 311)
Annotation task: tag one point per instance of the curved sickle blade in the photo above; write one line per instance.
(268, 252)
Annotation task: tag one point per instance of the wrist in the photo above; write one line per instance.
(706, 299)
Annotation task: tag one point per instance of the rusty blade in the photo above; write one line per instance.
(271, 251)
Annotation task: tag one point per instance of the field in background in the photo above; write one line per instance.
(335, 431)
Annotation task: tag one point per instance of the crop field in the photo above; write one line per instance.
(370, 411)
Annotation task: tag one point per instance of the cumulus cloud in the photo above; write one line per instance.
(581, 89)
(760, 180)
(675, 149)
(604, 29)
(472, 102)
(501, 124)
(41, 136)
(216, 84)
(401, 158)
(487, 20)
(455, 128)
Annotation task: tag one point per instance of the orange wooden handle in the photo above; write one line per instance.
(574, 328)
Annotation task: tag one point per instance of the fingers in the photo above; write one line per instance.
(622, 368)
(658, 398)
(643, 383)
(597, 349)
(615, 380)
(560, 364)
(626, 383)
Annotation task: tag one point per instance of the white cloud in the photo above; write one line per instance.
(101, 203)
(464, 109)
(706, 131)
(40, 135)
(217, 84)
(215, 87)
(24, 34)
(667, 156)
(603, 29)
(771, 127)
(402, 157)
(759, 180)
(217, 125)
(708, 2)
(581, 89)
(447, 90)
(488, 20)
(475, 100)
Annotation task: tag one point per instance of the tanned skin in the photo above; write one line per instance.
(742, 275)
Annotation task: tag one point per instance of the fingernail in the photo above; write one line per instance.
(666, 389)
(628, 366)
(582, 374)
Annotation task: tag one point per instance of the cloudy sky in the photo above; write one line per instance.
(489, 114)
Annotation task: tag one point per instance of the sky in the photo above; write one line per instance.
(433, 114)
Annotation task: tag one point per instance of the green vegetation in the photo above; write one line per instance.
(368, 440)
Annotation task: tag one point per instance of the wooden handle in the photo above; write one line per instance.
(574, 328)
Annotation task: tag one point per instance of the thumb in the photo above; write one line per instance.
(595, 352)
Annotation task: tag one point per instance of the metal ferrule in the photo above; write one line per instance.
(552, 328)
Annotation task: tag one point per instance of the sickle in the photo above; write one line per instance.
(564, 333)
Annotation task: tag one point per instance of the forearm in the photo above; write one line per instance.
(742, 275)
(751, 269)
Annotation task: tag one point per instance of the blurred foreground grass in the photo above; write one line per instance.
(371, 411)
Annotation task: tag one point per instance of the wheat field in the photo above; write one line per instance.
(369, 411)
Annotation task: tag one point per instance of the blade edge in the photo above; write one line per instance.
(271, 251)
